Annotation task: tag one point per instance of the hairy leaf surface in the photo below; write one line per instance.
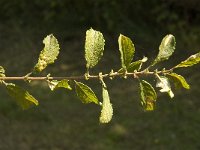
(22, 97)
(49, 54)
(127, 50)
(148, 95)
(192, 60)
(85, 93)
(94, 47)
(166, 48)
(178, 80)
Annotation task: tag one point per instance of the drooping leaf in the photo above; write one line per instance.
(54, 84)
(49, 54)
(164, 84)
(192, 60)
(107, 110)
(166, 48)
(94, 47)
(148, 95)
(22, 97)
(127, 50)
(178, 80)
(2, 72)
(85, 93)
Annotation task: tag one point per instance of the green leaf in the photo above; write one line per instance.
(127, 50)
(163, 83)
(49, 54)
(166, 48)
(85, 93)
(178, 80)
(54, 84)
(94, 47)
(148, 95)
(2, 72)
(192, 60)
(107, 110)
(22, 97)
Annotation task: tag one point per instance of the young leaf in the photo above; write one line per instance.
(178, 80)
(22, 97)
(166, 48)
(94, 47)
(2, 72)
(165, 86)
(127, 49)
(85, 93)
(192, 60)
(148, 95)
(54, 84)
(107, 110)
(49, 54)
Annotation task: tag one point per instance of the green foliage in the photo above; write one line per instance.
(2, 72)
(178, 80)
(107, 110)
(127, 50)
(49, 54)
(164, 84)
(54, 84)
(22, 97)
(166, 48)
(85, 93)
(94, 47)
(148, 95)
(192, 60)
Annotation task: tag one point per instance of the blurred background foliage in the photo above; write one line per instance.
(61, 121)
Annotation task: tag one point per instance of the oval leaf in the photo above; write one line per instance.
(148, 95)
(127, 50)
(192, 60)
(49, 54)
(107, 110)
(166, 48)
(22, 97)
(54, 84)
(94, 47)
(178, 80)
(85, 93)
(163, 83)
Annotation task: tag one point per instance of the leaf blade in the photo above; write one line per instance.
(178, 80)
(94, 47)
(85, 93)
(54, 84)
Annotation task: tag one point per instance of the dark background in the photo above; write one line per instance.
(61, 121)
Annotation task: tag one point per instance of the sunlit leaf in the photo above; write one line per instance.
(107, 110)
(94, 47)
(163, 83)
(2, 72)
(54, 84)
(127, 50)
(178, 80)
(192, 60)
(22, 97)
(49, 54)
(166, 48)
(148, 95)
(85, 93)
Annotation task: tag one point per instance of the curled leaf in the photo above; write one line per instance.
(22, 97)
(148, 95)
(166, 48)
(192, 60)
(127, 50)
(178, 80)
(107, 110)
(54, 84)
(85, 93)
(163, 83)
(94, 47)
(49, 54)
